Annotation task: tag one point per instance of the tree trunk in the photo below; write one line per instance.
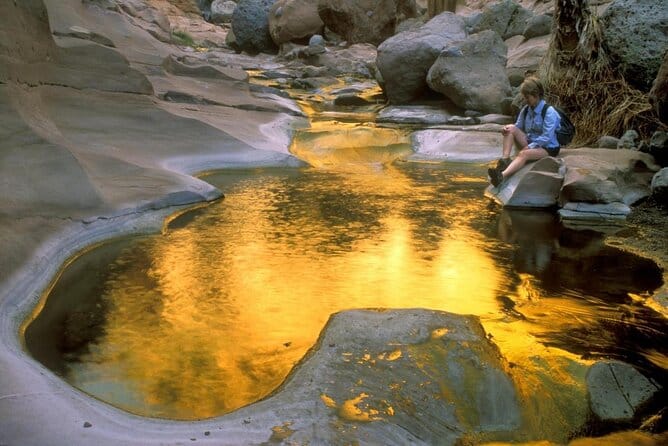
(577, 36)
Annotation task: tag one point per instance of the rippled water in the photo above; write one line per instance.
(212, 314)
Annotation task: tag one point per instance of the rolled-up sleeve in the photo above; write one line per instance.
(548, 137)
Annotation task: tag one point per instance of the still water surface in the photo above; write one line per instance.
(212, 314)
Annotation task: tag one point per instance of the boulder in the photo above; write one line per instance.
(413, 114)
(250, 24)
(527, 56)
(411, 24)
(658, 148)
(658, 95)
(472, 73)
(594, 215)
(507, 18)
(404, 59)
(629, 140)
(358, 59)
(606, 176)
(222, 11)
(539, 25)
(617, 390)
(659, 186)
(365, 21)
(294, 20)
(471, 146)
(607, 142)
(536, 185)
(635, 36)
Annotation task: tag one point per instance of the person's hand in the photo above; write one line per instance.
(505, 129)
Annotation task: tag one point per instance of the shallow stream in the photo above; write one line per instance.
(213, 313)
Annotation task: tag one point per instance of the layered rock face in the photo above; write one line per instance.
(102, 124)
(84, 124)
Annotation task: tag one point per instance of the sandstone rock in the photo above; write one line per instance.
(298, 20)
(350, 99)
(496, 119)
(635, 36)
(83, 33)
(606, 176)
(507, 18)
(413, 114)
(617, 390)
(472, 73)
(607, 142)
(181, 67)
(456, 145)
(525, 57)
(190, 7)
(358, 59)
(365, 21)
(411, 24)
(463, 120)
(536, 185)
(404, 59)
(250, 24)
(539, 25)
(594, 214)
(156, 17)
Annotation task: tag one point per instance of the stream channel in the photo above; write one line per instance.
(212, 314)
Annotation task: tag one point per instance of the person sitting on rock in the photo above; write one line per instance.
(535, 138)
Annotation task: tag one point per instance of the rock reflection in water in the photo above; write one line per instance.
(576, 293)
(213, 314)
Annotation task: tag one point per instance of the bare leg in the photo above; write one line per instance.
(522, 158)
(513, 136)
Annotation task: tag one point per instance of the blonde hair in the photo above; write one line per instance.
(532, 86)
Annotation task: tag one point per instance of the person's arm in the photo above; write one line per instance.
(550, 125)
(520, 121)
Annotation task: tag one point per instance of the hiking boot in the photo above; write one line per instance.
(495, 177)
(502, 164)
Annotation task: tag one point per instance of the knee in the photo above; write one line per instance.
(514, 130)
(509, 129)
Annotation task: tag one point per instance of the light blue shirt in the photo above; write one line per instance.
(539, 133)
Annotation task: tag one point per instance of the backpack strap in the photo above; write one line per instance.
(544, 110)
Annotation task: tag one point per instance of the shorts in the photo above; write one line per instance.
(552, 151)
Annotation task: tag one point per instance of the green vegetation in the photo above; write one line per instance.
(183, 38)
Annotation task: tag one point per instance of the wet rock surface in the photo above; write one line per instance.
(617, 390)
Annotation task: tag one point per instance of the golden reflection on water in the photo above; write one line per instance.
(213, 314)
(235, 309)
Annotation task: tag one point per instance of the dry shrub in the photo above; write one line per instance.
(580, 78)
